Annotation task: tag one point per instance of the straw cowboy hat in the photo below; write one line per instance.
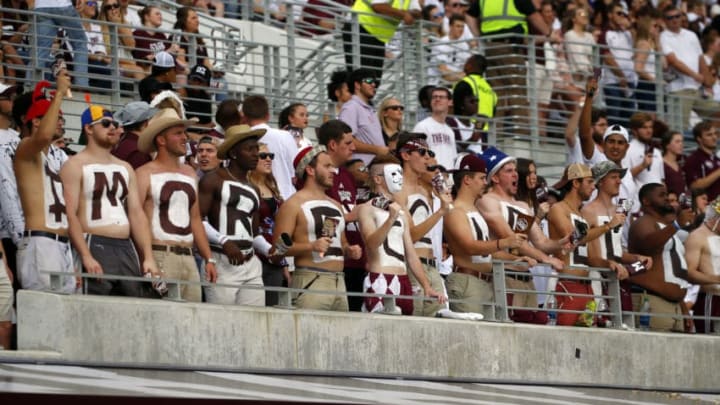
(164, 119)
(236, 134)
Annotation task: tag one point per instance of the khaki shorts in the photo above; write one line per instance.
(6, 295)
(422, 307)
(309, 280)
(469, 287)
(181, 267)
(660, 306)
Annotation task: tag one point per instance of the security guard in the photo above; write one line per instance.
(474, 83)
(378, 20)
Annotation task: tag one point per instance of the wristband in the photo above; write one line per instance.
(211, 260)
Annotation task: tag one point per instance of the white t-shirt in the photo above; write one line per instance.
(52, 3)
(95, 40)
(686, 47)
(283, 145)
(440, 139)
(620, 44)
(635, 156)
(450, 53)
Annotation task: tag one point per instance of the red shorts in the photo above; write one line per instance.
(705, 305)
(570, 302)
(390, 284)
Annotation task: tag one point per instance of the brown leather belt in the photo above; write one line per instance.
(178, 250)
(428, 262)
(479, 274)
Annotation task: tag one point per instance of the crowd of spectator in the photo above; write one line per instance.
(163, 188)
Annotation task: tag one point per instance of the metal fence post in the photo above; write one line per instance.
(615, 303)
(501, 310)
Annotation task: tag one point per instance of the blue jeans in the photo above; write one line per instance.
(46, 31)
(620, 106)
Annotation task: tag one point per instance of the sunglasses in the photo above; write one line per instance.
(91, 3)
(673, 17)
(106, 122)
(438, 15)
(455, 5)
(621, 13)
(111, 6)
(395, 107)
(370, 80)
(263, 155)
(423, 152)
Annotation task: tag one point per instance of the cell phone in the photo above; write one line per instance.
(684, 201)
(597, 72)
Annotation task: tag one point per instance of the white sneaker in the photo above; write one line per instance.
(467, 316)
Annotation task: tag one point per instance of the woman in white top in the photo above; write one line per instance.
(579, 45)
(647, 46)
(111, 13)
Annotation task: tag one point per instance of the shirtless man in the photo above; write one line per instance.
(565, 218)
(6, 302)
(607, 250)
(504, 215)
(702, 253)
(469, 241)
(230, 205)
(388, 242)
(44, 246)
(654, 235)
(316, 225)
(104, 211)
(168, 191)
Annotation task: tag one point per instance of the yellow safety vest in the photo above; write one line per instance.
(498, 15)
(381, 27)
(487, 99)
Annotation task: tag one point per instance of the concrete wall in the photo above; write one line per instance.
(129, 331)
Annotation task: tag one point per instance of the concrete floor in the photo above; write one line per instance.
(62, 380)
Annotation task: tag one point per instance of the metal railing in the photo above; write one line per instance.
(502, 311)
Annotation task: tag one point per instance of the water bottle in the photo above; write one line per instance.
(645, 317)
(551, 306)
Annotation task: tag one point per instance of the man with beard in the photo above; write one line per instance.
(702, 252)
(230, 204)
(44, 246)
(168, 191)
(565, 218)
(104, 211)
(316, 225)
(654, 235)
(506, 215)
(360, 115)
(607, 251)
(197, 99)
(337, 138)
(385, 226)
(469, 241)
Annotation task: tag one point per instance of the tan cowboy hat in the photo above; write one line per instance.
(162, 120)
(236, 134)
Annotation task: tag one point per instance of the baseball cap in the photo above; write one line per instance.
(164, 60)
(572, 172)
(616, 129)
(470, 162)
(134, 113)
(200, 72)
(602, 169)
(7, 90)
(40, 104)
(94, 113)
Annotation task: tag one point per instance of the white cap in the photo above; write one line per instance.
(714, 10)
(616, 129)
(164, 60)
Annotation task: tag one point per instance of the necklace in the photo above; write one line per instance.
(574, 210)
(231, 175)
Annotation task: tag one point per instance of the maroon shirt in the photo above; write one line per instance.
(344, 192)
(266, 214)
(675, 180)
(127, 150)
(700, 164)
(148, 43)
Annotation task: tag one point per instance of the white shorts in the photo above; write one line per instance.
(543, 85)
(248, 273)
(37, 254)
